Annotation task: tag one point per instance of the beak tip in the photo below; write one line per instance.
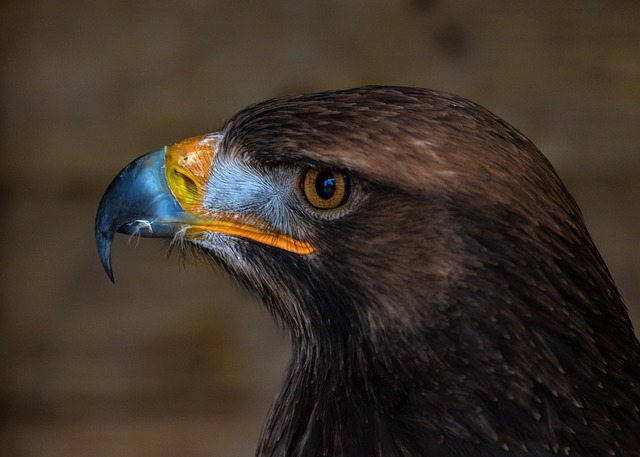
(109, 272)
(103, 242)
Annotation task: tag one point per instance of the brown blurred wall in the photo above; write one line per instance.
(175, 360)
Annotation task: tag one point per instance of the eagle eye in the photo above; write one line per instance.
(324, 188)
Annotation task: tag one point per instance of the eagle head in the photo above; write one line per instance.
(442, 293)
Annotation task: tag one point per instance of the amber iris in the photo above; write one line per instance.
(325, 188)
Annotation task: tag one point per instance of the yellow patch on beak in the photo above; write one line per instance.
(189, 164)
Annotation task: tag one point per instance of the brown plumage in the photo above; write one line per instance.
(449, 302)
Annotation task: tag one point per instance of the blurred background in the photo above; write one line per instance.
(175, 360)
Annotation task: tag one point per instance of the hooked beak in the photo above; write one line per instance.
(138, 201)
(161, 194)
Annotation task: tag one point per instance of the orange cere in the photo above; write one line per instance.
(188, 166)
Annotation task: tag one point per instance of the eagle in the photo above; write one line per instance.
(441, 292)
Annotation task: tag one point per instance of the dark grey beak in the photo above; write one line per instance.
(137, 202)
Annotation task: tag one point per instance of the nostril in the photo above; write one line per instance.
(187, 183)
(183, 187)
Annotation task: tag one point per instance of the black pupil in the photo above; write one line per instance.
(325, 185)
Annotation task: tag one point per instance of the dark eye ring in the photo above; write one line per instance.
(325, 188)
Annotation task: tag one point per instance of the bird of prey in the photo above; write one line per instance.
(441, 291)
